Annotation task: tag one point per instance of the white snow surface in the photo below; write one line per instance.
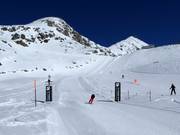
(69, 113)
(75, 77)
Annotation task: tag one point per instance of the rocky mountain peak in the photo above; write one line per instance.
(61, 26)
(49, 31)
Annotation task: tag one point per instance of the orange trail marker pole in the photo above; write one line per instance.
(35, 92)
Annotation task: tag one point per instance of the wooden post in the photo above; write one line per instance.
(35, 100)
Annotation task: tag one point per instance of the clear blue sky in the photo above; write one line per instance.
(106, 21)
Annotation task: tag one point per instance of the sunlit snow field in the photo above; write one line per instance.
(75, 77)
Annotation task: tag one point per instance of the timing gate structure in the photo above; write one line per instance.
(117, 91)
(49, 90)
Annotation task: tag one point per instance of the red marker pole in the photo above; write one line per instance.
(35, 92)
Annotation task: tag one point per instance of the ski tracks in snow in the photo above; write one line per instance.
(68, 115)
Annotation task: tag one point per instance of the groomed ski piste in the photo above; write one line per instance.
(73, 83)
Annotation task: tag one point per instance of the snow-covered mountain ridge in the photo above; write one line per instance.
(49, 39)
(54, 30)
(127, 46)
(47, 31)
(52, 39)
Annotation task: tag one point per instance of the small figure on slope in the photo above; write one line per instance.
(91, 99)
(173, 89)
(122, 76)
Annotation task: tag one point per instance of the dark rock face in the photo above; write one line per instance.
(61, 26)
(4, 41)
(68, 31)
(15, 36)
(10, 29)
(23, 36)
(20, 42)
(44, 69)
(22, 39)
(4, 28)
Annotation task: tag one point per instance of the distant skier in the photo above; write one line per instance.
(173, 89)
(91, 99)
(122, 76)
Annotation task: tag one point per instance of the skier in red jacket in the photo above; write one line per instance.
(91, 99)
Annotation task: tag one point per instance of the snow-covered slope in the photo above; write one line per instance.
(47, 39)
(20, 44)
(69, 113)
(128, 46)
(160, 60)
